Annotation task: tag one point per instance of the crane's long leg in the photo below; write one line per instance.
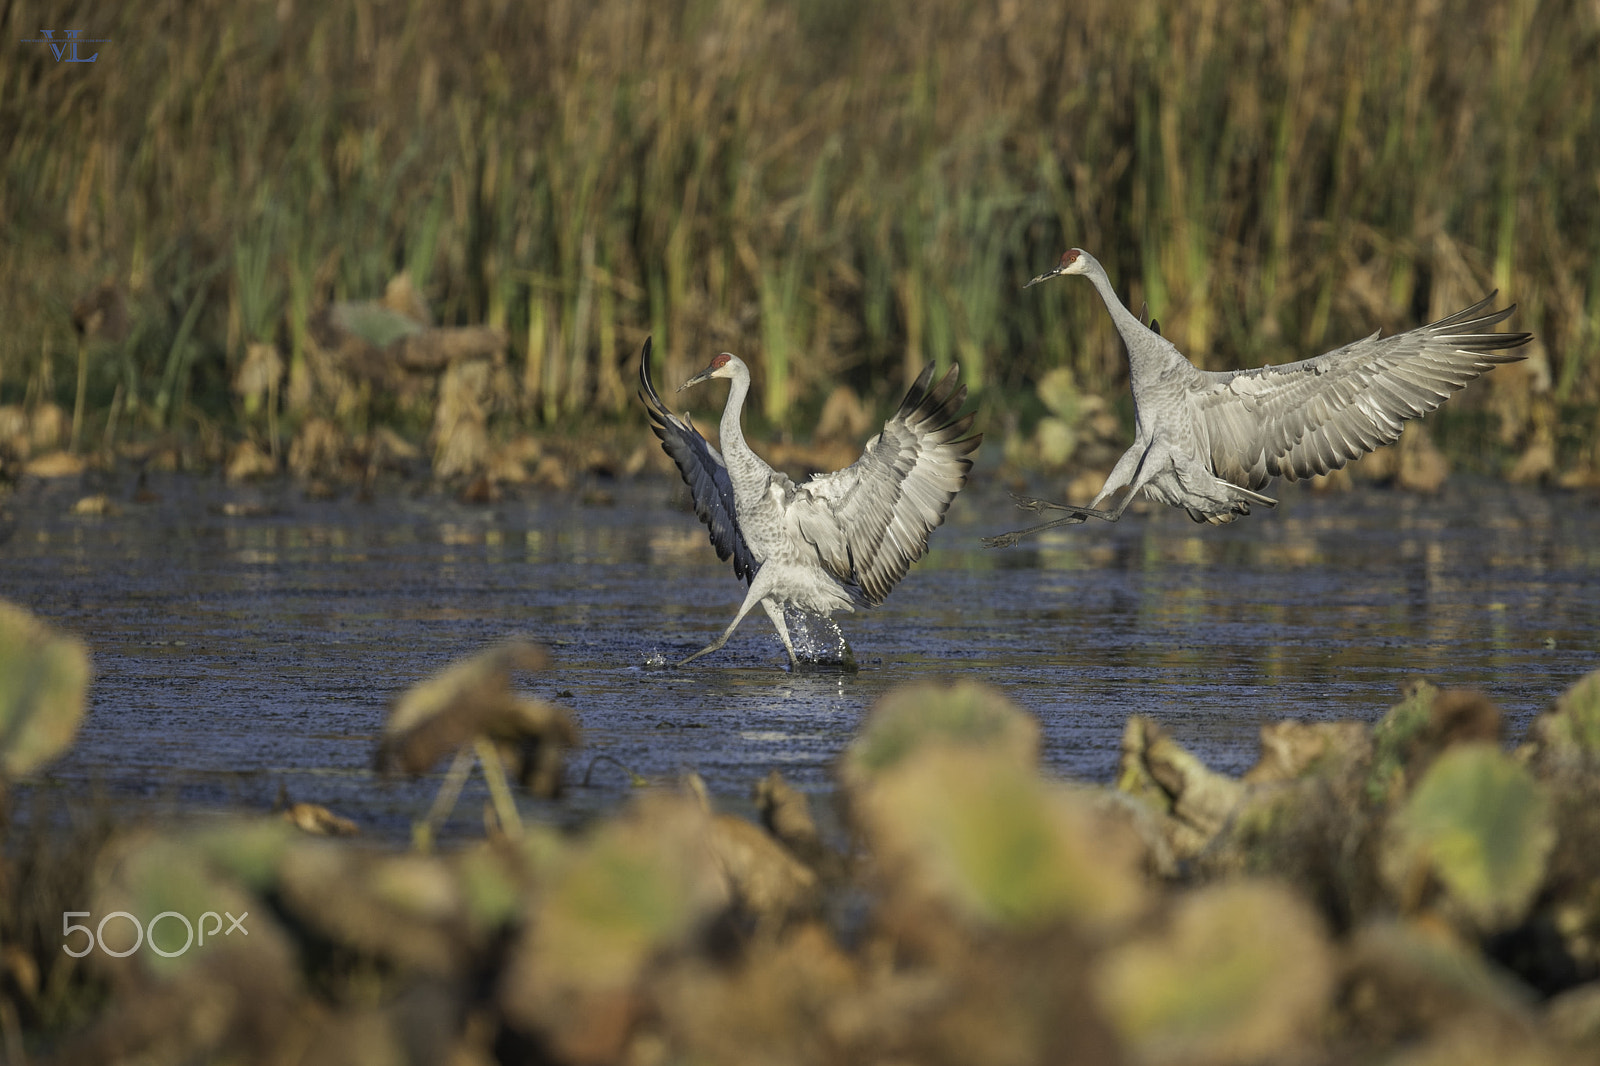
(754, 596)
(775, 612)
(1119, 478)
(1012, 539)
(1038, 506)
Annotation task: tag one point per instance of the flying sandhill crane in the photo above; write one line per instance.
(1208, 441)
(838, 541)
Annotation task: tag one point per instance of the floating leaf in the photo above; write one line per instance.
(407, 910)
(1291, 749)
(1403, 977)
(469, 709)
(967, 715)
(766, 880)
(641, 886)
(1195, 800)
(1416, 730)
(638, 884)
(1480, 824)
(44, 677)
(786, 813)
(1392, 737)
(1567, 737)
(1242, 973)
(145, 876)
(997, 845)
(471, 697)
(490, 889)
(250, 850)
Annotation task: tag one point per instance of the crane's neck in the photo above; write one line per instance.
(1126, 321)
(1150, 357)
(743, 464)
(732, 433)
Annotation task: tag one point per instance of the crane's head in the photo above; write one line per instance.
(725, 365)
(1075, 261)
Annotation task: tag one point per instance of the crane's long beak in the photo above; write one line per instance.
(704, 375)
(1046, 276)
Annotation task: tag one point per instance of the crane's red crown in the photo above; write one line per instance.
(1069, 257)
(720, 361)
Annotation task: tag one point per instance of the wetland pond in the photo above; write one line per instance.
(238, 650)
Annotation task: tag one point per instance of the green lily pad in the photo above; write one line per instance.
(971, 716)
(1242, 973)
(190, 912)
(1391, 740)
(1480, 824)
(1567, 737)
(997, 845)
(44, 678)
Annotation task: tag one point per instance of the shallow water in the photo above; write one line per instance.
(237, 655)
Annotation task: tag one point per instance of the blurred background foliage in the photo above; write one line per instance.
(836, 191)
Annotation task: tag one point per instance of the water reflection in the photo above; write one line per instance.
(235, 653)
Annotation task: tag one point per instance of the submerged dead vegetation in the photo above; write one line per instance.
(194, 225)
(1411, 891)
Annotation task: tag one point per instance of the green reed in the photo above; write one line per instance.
(834, 193)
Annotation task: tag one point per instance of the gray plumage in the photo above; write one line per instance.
(838, 541)
(1208, 441)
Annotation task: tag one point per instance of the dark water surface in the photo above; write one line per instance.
(233, 655)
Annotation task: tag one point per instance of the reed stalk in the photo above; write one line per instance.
(833, 192)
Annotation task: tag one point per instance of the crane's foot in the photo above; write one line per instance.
(1004, 540)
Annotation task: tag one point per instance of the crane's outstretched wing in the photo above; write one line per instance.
(704, 472)
(1301, 419)
(870, 521)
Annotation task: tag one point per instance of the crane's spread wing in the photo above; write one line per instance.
(704, 472)
(1300, 419)
(870, 521)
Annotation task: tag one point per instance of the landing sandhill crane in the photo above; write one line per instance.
(838, 541)
(1208, 441)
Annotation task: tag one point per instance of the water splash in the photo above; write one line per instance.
(818, 641)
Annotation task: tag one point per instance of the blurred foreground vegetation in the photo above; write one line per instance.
(836, 191)
(1405, 892)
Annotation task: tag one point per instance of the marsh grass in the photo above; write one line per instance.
(837, 192)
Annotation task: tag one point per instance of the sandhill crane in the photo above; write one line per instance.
(838, 541)
(1208, 441)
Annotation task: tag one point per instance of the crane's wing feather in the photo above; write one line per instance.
(703, 471)
(870, 521)
(1297, 420)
